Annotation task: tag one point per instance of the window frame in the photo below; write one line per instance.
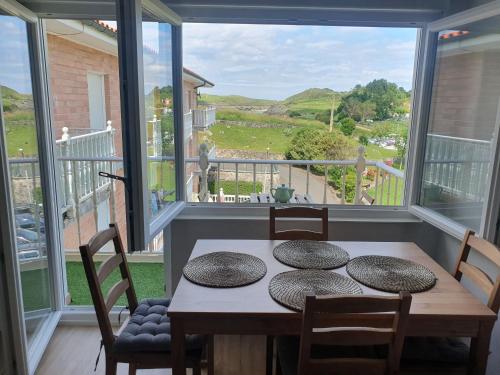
(490, 216)
(141, 227)
(27, 359)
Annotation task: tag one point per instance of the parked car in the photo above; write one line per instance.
(27, 220)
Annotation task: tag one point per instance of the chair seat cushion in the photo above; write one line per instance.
(288, 353)
(435, 350)
(148, 330)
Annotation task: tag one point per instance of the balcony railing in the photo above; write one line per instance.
(459, 166)
(188, 125)
(376, 183)
(79, 177)
(203, 118)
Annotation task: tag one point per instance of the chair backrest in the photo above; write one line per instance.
(474, 273)
(95, 278)
(298, 213)
(353, 321)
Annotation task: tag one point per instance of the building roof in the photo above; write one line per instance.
(105, 40)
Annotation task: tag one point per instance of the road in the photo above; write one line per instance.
(316, 184)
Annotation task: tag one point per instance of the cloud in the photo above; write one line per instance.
(276, 61)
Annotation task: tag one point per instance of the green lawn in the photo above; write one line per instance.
(252, 139)
(21, 136)
(148, 278)
(36, 289)
(374, 152)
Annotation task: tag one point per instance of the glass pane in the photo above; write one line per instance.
(18, 118)
(159, 114)
(462, 121)
(296, 105)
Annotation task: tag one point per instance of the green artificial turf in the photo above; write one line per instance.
(36, 289)
(148, 279)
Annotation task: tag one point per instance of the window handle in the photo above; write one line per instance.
(113, 176)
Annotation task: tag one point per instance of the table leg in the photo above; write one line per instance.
(480, 349)
(178, 346)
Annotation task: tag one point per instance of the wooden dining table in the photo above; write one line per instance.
(446, 310)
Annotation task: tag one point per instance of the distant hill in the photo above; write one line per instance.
(311, 94)
(308, 103)
(234, 100)
(15, 101)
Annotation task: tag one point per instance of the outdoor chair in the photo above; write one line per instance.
(450, 354)
(347, 335)
(144, 339)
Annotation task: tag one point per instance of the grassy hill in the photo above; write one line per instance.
(234, 100)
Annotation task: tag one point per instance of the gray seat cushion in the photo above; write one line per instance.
(148, 330)
(435, 350)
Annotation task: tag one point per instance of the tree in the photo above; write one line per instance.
(367, 110)
(347, 126)
(314, 144)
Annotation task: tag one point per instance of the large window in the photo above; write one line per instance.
(323, 110)
(462, 121)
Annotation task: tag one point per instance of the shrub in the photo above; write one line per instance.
(347, 126)
(229, 187)
(363, 139)
(335, 177)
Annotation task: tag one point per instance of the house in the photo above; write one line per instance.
(55, 138)
(84, 77)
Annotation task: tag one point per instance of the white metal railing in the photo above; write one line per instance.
(203, 118)
(79, 178)
(188, 125)
(459, 166)
(375, 182)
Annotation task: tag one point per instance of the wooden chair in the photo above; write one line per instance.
(436, 355)
(141, 346)
(340, 333)
(296, 234)
(297, 213)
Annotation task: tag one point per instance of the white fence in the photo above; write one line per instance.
(203, 118)
(459, 166)
(386, 187)
(79, 177)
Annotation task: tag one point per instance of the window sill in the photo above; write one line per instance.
(441, 222)
(197, 211)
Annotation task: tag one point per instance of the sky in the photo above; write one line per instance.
(14, 58)
(274, 61)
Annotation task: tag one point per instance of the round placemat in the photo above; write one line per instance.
(290, 288)
(311, 254)
(391, 274)
(225, 269)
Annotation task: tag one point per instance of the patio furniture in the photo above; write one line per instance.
(144, 340)
(268, 198)
(343, 333)
(430, 354)
(298, 213)
(446, 310)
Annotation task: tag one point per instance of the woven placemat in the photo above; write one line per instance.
(391, 274)
(311, 254)
(225, 269)
(290, 288)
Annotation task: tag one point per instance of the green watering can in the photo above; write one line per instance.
(282, 194)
